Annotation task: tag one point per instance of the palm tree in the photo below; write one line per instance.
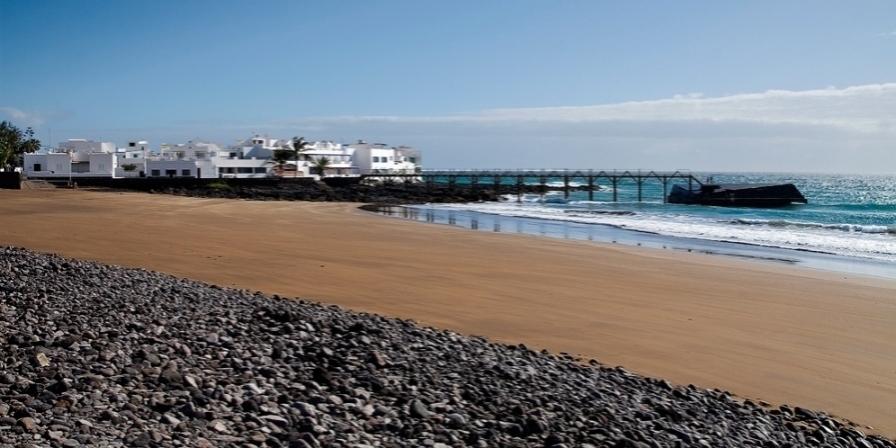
(280, 157)
(321, 166)
(298, 147)
(14, 143)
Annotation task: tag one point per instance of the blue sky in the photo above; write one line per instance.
(431, 74)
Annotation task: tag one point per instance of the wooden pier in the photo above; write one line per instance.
(516, 180)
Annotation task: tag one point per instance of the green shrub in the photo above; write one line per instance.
(219, 185)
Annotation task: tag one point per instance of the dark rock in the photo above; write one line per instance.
(419, 410)
(167, 362)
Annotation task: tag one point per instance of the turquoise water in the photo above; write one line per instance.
(846, 215)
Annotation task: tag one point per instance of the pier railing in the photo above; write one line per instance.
(515, 179)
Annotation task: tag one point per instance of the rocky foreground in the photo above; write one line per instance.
(93, 355)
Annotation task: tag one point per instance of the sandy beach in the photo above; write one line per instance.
(763, 331)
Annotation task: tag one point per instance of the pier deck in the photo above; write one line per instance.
(516, 180)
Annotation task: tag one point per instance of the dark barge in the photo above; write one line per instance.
(738, 195)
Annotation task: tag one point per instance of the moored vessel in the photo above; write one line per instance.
(738, 195)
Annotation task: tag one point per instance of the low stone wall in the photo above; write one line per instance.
(165, 183)
(10, 180)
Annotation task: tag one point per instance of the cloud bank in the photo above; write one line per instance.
(866, 108)
(850, 130)
(20, 117)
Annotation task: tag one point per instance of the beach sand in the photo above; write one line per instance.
(761, 330)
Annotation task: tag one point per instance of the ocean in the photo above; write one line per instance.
(852, 216)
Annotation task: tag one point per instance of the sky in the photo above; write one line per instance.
(805, 86)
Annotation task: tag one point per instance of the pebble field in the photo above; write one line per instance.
(97, 355)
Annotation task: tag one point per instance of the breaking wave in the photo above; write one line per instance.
(891, 229)
(868, 241)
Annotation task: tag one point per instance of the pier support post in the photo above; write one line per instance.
(474, 183)
(519, 188)
(665, 189)
(590, 188)
(640, 184)
(615, 190)
(452, 180)
(497, 181)
(566, 187)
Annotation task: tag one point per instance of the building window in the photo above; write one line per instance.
(412, 159)
(37, 167)
(171, 173)
(261, 170)
(244, 170)
(184, 172)
(154, 173)
(376, 159)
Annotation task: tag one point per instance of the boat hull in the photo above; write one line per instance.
(778, 195)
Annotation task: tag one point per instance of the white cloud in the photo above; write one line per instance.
(851, 129)
(888, 34)
(20, 117)
(864, 108)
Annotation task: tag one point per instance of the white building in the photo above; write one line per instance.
(339, 157)
(250, 158)
(73, 158)
(260, 147)
(378, 158)
(131, 160)
(206, 160)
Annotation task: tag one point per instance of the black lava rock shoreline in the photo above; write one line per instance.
(399, 193)
(95, 355)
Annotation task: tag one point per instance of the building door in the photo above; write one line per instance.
(198, 173)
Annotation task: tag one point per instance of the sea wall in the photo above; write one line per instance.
(305, 189)
(10, 180)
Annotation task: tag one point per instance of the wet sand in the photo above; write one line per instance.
(761, 330)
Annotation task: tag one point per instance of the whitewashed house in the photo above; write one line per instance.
(208, 160)
(73, 158)
(250, 158)
(259, 147)
(131, 160)
(183, 160)
(378, 158)
(339, 156)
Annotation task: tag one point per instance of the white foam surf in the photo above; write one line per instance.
(869, 241)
